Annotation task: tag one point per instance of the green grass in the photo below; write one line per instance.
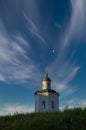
(70, 119)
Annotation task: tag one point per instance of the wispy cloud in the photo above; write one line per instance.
(64, 70)
(2, 78)
(15, 108)
(32, 27)
(15, 65)
(65, 66)
(64, 89)
(76, 29)
(74, 103)
(13, 48)
(82, 103)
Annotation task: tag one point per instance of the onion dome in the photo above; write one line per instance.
(46, 78)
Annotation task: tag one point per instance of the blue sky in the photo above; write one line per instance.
(40, 35)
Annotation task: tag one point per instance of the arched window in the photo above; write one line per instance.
(43, 103)
(52, 104)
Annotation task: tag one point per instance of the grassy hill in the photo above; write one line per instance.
(70, 119)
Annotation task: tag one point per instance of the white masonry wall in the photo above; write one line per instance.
(48, 98)
(54, 97)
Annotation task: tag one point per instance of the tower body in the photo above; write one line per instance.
(47, 99)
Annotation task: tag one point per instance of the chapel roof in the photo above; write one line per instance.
(46, 90)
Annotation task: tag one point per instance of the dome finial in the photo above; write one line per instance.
(46, 72)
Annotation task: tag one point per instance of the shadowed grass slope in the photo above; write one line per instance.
(69, 119)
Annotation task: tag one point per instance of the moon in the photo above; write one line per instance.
(53, 50)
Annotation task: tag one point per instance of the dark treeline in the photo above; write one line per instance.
(69, 119)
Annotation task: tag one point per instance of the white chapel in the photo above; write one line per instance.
(47, 99)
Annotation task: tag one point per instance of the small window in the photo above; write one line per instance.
(43, 104)
(52, 104)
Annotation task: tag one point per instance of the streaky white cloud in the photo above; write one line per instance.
(73, 103)
(71, 74)
(64, 89)
(69, 104)
(15, 65)
(76, 29)
(2, 78)
(32, 24)
(10, 49)
(59, 86)
(21, 40)
(15, 108)
(63, 70)
(76, 103)
(31, 8)
(78, 18)
(66, 68)
(34, 30)
(83, 103)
